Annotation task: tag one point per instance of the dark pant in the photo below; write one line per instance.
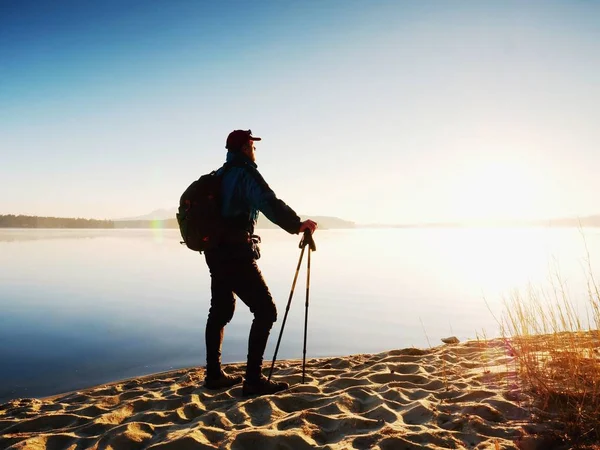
(241, 276)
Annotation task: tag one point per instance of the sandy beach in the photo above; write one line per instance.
(462, 395)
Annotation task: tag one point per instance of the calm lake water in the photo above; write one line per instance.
(84, 307)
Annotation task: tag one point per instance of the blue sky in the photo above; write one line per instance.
(388, 111)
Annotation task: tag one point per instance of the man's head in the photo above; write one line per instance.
(242, 141)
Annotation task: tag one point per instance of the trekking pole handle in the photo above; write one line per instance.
(307, 239)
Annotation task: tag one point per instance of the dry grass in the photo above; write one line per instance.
(558, 353)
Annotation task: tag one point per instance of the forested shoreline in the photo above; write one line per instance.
(22, 221)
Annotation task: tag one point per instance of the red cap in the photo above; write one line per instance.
(238, 138)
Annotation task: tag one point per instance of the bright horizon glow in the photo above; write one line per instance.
(388, 112)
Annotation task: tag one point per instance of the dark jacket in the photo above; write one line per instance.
(245, 192)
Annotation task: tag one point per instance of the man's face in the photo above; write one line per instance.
(249, 150)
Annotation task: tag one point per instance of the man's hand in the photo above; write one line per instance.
(308, 225)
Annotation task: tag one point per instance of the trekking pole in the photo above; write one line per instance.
(303, 243)
(287, 309)
(311, 247)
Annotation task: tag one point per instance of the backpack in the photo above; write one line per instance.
(199, 214)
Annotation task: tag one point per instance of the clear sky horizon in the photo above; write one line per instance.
(379, 111)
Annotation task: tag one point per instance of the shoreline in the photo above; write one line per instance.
(464, 395)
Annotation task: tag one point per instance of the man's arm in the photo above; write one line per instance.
(262, 197)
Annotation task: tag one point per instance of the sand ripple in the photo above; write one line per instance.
(457, 396)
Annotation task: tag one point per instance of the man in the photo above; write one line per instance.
(233, 267)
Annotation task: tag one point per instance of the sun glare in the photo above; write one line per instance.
(498, 191)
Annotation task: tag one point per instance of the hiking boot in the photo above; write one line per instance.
(263, 387)
(223, 381)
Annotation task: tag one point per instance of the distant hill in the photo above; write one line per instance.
(325, 222)
(157, 214)
(167, 216)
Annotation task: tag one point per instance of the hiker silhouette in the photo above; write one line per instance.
(233, 268)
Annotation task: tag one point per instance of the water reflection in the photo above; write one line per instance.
(36, 234)
(83, 307)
